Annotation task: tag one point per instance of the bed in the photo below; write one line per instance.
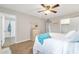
(58, 44)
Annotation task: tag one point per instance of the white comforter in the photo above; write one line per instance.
(55, 45)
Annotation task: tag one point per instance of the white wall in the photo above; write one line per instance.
(24, 23)
(74, 25)
(55, 25)
(0, 34)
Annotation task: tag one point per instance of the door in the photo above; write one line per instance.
(9, 31)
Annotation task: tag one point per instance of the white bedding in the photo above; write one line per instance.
(49, 46)
(58, 44)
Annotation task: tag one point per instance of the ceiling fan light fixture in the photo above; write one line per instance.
(47, 11)
(49, 8)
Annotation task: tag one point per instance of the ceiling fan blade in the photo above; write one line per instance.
(53, 11)
(41, 11)
(57, 5)
(43, 5)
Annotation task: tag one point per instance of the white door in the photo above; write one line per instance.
(9, 30)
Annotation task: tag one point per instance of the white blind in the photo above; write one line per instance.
(65, 21)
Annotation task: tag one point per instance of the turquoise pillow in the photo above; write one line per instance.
(43, 37)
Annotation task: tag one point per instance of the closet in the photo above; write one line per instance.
(7, 29)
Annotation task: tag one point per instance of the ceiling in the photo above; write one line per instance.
(32, 9)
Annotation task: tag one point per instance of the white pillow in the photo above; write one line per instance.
(76, 37)
(73, 36)
(70, 34)
(56, 35)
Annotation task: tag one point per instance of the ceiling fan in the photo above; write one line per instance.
(49, 8)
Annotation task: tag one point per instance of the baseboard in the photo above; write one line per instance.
(22, 41)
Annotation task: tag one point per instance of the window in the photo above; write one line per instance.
(65, 21)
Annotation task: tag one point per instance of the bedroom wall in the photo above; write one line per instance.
(24, 23)
(74, 25)
(55, 26)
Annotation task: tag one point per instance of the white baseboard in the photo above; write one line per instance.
(22, 41)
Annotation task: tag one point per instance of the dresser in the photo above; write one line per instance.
(34, 33)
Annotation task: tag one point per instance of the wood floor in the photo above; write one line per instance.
(22, 48)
